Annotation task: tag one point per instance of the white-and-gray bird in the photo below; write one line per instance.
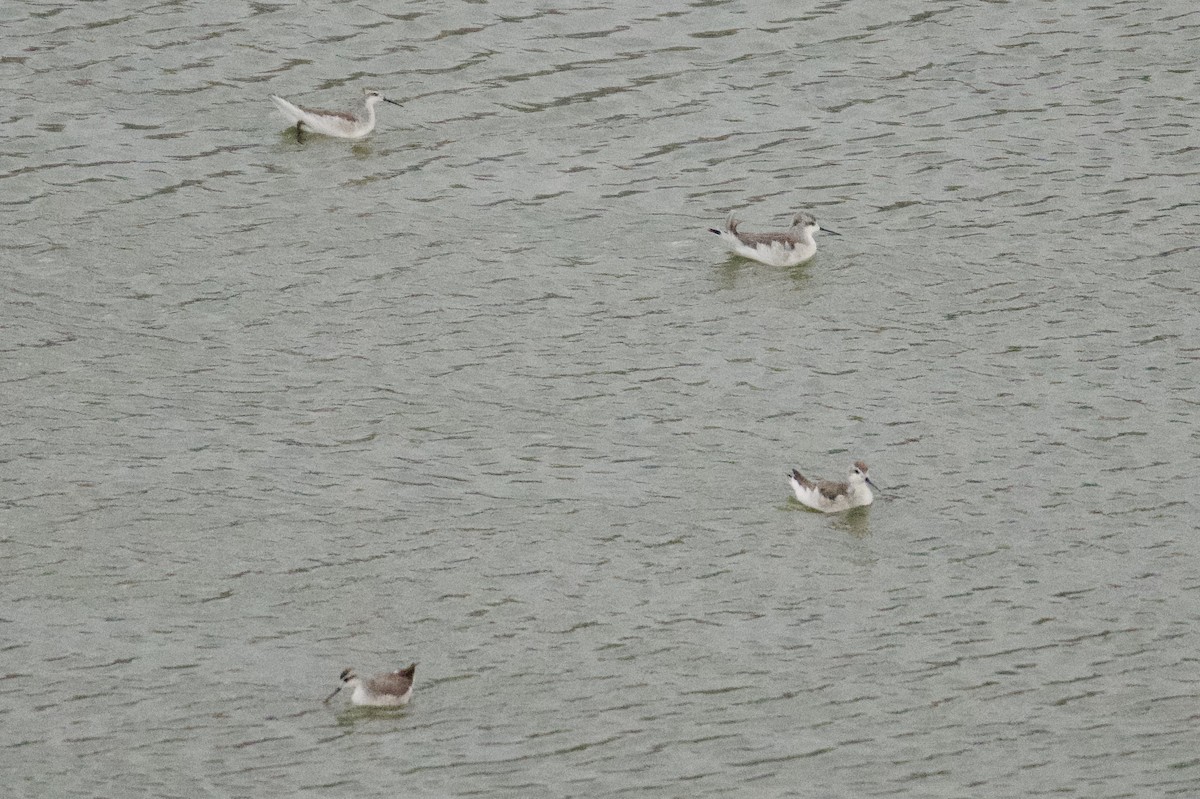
(342, 124)
(793, 246)
(830, 497)
(383, 690)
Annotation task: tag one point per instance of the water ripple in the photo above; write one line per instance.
(480, 392)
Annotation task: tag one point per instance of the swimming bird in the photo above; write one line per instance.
(383, 690)
(342, 124)
(830, 497)
(794, 246)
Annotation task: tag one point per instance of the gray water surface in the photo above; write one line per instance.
(479, 391)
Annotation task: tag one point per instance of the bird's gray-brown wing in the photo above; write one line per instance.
(321, 112)
(831, 489)
(397, 682)
(801, 479)
(786, 240)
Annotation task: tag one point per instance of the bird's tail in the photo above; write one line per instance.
(289, 111)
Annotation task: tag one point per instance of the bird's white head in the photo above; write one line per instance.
(808, 224)
(374, 98)
(348, 678)
(858, 474)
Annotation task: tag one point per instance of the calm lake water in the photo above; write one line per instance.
(480, 392)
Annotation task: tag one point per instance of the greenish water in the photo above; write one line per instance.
(481, 392)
